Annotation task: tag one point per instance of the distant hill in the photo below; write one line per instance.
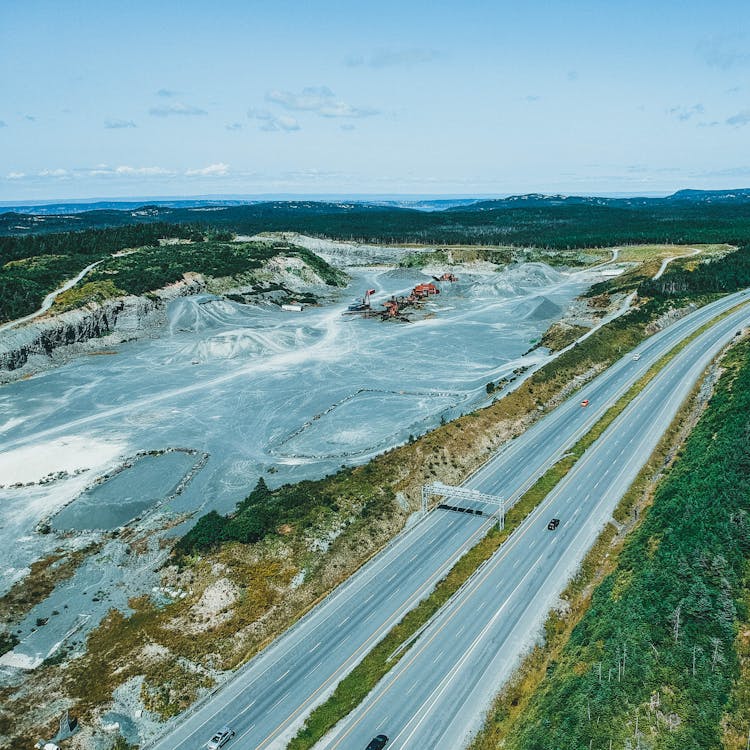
(536, 200)
(552, 221)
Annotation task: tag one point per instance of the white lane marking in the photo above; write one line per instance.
(368, 598)
(314, 647)
(381, 723)
(441, 652)
(346, 619)
(392, 577)
(280, 699)
(313, 669)
(282, 676)
(516, 562)
(247, 708)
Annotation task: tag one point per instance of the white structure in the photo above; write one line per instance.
(463, 493)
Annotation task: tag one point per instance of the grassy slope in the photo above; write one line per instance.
(684, 565)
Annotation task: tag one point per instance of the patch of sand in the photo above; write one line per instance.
(72, 453)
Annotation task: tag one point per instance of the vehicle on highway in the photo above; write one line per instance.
(636, 357)
(585, 402)
(220, 738)
(376, 743)
(553, 524)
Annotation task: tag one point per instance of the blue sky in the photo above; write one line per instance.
(105, 99)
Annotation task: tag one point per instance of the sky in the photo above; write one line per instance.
(112, 99)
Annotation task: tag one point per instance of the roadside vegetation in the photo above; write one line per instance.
(653, 660)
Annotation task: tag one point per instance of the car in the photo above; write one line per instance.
(376, 743)
(220, 738)
(553, 524)
(585, 402)
(636, 357)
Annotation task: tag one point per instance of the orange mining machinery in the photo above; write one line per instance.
(446, 277)
(421, 291)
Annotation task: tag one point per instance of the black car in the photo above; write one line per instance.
(377, 743)
(553, 524)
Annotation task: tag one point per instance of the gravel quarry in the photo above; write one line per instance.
(176, 425)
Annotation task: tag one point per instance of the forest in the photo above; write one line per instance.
(541, 223)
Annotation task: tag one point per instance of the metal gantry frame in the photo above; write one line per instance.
(463, 493)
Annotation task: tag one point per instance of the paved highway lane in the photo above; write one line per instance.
(436, 695)
(270, 697)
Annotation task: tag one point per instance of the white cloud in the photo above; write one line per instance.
(54, 173)
(117, 124)
(740, 119)
(725, 51)
(683, 114)
(388, 57)
(176, 108)
(141, 171)
(270, 122)
(318, 99)
(15, 175)
(234, 126)
(212, 170)
(167, 93)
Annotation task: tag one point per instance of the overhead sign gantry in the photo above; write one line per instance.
(466, 494)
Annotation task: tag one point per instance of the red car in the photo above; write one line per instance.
(585, 402)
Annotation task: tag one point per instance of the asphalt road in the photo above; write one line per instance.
(268, 699)
(437, 694)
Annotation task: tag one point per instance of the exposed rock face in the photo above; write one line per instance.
(30, 347)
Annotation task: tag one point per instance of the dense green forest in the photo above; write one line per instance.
(657, 643)
(541, 223)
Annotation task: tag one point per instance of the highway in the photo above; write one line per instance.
(268, 699)
(437, 694)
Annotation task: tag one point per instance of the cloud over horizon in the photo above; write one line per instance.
(176, 108)
(390, 57)
(119, 124)
(212, 170)
(318, 99)
(270, 122)
(726, 51)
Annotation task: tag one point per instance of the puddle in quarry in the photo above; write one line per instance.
(257, 392)
(148, 481)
